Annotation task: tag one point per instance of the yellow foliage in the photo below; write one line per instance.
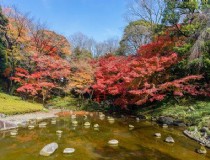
(82, 77)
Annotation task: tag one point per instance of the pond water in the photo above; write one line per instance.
(91, 144)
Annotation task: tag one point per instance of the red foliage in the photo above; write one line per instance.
(47, 74)
(141, 79)
(161, 46)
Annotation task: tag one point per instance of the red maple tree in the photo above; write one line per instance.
(47, 73)
(145, 77)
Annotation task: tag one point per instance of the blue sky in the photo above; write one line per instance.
(99, 19)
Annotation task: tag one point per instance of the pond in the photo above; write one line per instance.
(92, 144)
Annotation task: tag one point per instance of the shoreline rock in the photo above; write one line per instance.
(23, 119)
(194, 135)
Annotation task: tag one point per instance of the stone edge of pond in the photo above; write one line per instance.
(14, 121)
(193, 135)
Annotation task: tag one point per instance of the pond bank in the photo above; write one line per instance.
(21, 119)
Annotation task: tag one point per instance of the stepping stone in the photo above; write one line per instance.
(158, 135)
(48, 149)
(130, 126)
(169, 140)
(113, 142)
(31, 127)
(74, 122)
(68, 150)
(87, 124)
(96, 126)
(59, 132)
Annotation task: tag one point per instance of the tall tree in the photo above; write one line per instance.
(135, 34)
(3, 24)
(150, 11)
(16, 39)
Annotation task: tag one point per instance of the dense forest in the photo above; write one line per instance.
(163, 55)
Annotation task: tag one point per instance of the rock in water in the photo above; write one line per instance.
(158, 135)
(42, 125)
(49, 149)
(130, 126)
(87, 124)
(13, 133)
(96, 126)
(111, 120)
(165, 126)
(113, 142)
(31, 127)
(202, 150)
(68, 150)
(165, 120)
(169, 139)
(59, 132)
(74, 123)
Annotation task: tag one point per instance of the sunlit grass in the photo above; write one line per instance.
(15, 105)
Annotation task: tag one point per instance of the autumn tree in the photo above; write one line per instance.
(16, 38)
(48, 42)
(146, 77)
(49, 72)
(3, 24)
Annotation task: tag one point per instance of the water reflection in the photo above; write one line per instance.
(91, 141)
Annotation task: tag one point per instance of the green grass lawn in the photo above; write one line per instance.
(15, 105)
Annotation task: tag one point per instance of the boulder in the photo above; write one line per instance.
(204, 129)
(169, 140)
(165, 120)
(49, 149)
(142, 117)
(179, 123)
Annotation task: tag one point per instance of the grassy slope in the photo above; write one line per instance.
(14, 105)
